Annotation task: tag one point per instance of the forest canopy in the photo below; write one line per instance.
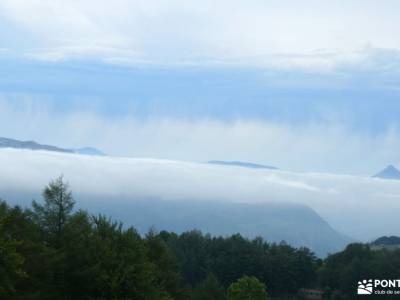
(54, 251)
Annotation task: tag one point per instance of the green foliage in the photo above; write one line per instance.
(232, 257)
(55, 212)
(167, 275)
(18, 225)
(247, 288)
(209, 289)
(341, 271)
(10, 260)
(121, 266)
(52, 252)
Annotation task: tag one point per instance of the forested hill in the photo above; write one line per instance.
(53, 251)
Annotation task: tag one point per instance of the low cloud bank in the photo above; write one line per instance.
(360, 207)
(327, 146)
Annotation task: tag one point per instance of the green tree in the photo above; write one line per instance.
(247, 288)
(36, 280)
(11, 261)
(121, 268)
(167, 275)
(341, 271)
(78, 259)
(53, 215)
(209, 289)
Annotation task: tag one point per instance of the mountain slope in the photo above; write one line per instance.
(298, 225)
(390, 172)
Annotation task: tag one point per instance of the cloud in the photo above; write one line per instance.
(354, 205)
(327, 146)
(261, 33)
(292, 184)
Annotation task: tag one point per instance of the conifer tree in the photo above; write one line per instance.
(53, 215)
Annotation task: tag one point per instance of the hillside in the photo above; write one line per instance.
(297, 225)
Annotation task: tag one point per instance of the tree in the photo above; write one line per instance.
(53, 215)
(341, 271)
(11, 261)
(55, 253)
(166, 270)
(78, 264)
(247, 288)
(209, 289)
(121, 268)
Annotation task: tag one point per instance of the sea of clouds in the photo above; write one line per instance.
(360, 207)
(315, 145)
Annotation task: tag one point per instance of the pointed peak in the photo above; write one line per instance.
(390, 172)
(391, 167)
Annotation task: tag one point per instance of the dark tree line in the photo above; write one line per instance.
(284, 269)
(52, 251)
(341, 271)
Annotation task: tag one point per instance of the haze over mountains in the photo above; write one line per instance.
(168, 195)
(296, 224)
(320, 211)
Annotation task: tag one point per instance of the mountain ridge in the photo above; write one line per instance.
(32, 145)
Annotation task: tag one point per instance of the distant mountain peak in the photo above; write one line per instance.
(390, 172)
(89, 151)
(32, 145)
(240, 164)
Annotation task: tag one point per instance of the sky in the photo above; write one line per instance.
(304, 86)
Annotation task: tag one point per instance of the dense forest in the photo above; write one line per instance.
(54, 251)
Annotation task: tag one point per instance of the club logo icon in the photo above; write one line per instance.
(365, 287)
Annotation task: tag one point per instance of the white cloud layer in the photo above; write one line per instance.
(361, 207)
(315, 146)
(270, 33)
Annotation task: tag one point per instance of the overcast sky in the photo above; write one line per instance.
(257, 32)
(303, 85)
